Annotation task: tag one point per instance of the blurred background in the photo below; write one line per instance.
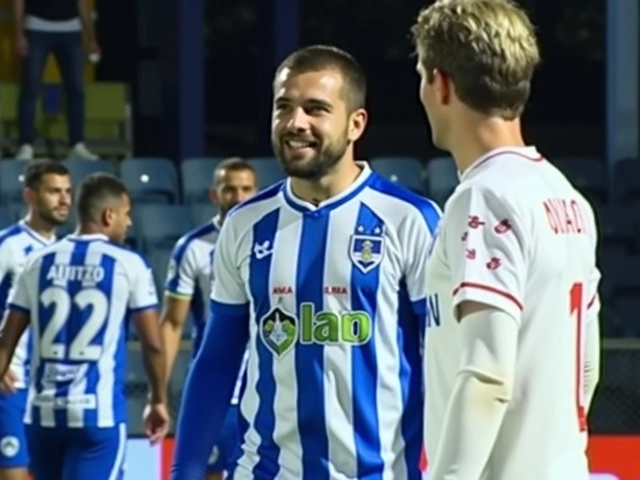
(181, 85)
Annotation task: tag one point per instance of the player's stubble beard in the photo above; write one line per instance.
(48, 216)
(327, 156)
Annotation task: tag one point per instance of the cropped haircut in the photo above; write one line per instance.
(487, 47)
(232, 164)
(37, 169)
(317, 58)
(95, 193)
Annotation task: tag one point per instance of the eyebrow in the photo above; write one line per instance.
(316, 102)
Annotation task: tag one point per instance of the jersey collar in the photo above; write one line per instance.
(526, 153)
(87, 237)
(36, 236)
(331, 203)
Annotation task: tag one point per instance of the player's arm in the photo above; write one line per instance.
(15, 321)
(419, 235)
(179, 289)
(143, 306)
(214, 371)
(591, 371)
(488, 264)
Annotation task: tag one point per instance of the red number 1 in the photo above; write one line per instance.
(576, 296)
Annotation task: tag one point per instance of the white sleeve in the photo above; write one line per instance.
(419, 235)
(484, 245)
(143, 294)
(181, 271)
(228, 288)
(19, 298)
(593, 302)
(6, 273)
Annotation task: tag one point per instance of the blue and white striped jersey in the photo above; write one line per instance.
(79, 293)
(190, 275)
(16, 242)
(337, 301)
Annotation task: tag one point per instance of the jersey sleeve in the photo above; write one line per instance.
(418, 240)
(228, 294)
(143, 294)
(19, 295)
(593, 299)
(6, 275)
(181, 271)
(484, 242)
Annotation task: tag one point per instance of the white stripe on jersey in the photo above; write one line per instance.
(79, 292)
(16, 243)
(338, 301)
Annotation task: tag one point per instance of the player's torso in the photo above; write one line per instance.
(331, 332)
(559, 255)
(79, 341)
(16, 243)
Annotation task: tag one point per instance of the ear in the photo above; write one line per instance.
(443, 86)
(29, 196)
(108, 217)
(213, 195)
(357, 124)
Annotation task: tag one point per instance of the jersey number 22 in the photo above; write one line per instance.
(80, 348)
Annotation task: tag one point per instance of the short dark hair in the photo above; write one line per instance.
(37, 169)
(316, 58)
(95, 191)
(232, 164)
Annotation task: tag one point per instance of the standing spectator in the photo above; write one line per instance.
(44, 27)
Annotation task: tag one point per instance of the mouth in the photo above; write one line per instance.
(299, 146)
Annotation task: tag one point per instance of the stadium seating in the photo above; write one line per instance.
(442, 179)
(79, 169)
(151, 180)
(11, 180)
(268, 170)
(196, 176)
(589, 175)
(407, 171)
(616, 230)
(161, 225)
(626, 175)
(203, 212)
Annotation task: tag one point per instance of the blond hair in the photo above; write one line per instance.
(487, 47)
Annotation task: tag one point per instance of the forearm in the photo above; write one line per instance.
(207, 394)
(480, 396)
(18, 15)
(155, 364)
(171, 337)
(591, 361)
(86, 17)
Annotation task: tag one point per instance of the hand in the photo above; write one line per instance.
(156, 421)
(94, 48)
(8, 382)
(22, 45)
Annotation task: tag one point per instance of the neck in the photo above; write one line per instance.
(39, 226)
(90, 229)
(477, 137)
(332, 184)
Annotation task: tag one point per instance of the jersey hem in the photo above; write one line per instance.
(151, 306)
(489, 295)
(19, 308)
(230, 309)
(178, 295)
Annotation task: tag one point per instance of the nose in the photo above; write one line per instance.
(299, 121)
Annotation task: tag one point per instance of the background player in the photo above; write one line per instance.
(77, 294)
(47, 195)
(188, 288)
(517, 247)
(324, 275)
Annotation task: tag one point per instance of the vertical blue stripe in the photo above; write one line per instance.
(105, 286)
(364, 362)
(410, 334)
(310, 358)
(265, 421)
(44, 316)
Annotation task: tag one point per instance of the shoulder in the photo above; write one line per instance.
(243, 216)
(407, 204)
(10, 235)
(126, 258)
(204, 234)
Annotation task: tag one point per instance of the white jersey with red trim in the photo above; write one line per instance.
(517, 236)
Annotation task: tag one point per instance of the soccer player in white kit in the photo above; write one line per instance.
(48, 196)
(323, 275)
(188, 287)
(511, 357)
(78, 295)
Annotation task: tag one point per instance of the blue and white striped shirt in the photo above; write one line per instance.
(335, 296)
(79, 293)
(16, 243)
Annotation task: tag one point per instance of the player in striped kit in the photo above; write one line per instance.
(512, 367)
(188, 288)
(47, 194)
(324, 275)
(77, 295)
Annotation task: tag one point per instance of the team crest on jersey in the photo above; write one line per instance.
(279, 331)
(366, 249)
